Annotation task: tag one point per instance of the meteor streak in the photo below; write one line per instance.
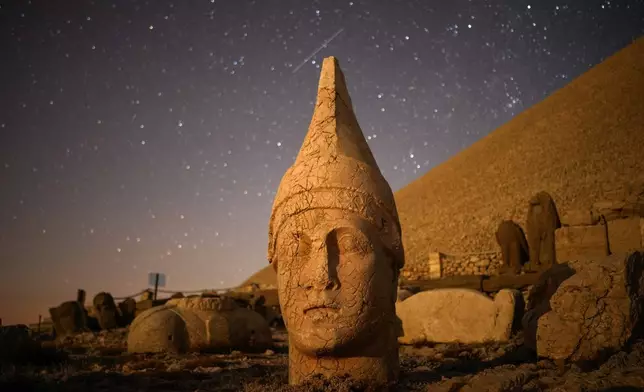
(324, 44)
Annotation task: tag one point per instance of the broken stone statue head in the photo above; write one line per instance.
(335, 242)
(106, 310)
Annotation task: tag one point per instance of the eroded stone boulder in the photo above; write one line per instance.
(458, 315)
(595, 311)
(538, 302)
(105, 311)
(513, 244)
(127, 310)
(580, 217)
(197, 324)
(68, 318)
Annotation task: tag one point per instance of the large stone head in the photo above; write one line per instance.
(334, 234)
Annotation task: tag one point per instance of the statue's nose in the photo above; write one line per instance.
(320, 276)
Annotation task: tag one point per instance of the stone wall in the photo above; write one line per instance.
(487, 263)
(440, 265)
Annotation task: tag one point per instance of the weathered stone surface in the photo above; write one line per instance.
(147, 295)
(514, 247)
(142, 306)
(127, 310)
(631, 206)
(68, 318)
(105, 311)
(81, 295)
(538, 301)
(335, 241)
(504, 380)
(435, 267)
(458, 315)
(263, 301)
(594, 311)
(542, 221)
(198, 324)
(624, 235)
(403, 295)
(579, 218)
(249, 329)
(580, 242)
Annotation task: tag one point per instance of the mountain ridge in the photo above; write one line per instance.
(594, 128)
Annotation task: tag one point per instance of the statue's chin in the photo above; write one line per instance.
(323, 341)
(319, 348)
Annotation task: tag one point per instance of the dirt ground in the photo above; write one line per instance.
(98, 362)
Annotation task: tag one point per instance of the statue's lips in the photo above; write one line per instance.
(321, 308)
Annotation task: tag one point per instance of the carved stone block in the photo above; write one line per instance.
(579, 218)
(624, 235)
(575, 242)
(435, 265)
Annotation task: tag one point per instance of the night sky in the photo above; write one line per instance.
(151, 136)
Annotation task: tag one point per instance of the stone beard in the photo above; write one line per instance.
(337, 286)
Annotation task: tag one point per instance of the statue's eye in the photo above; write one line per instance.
(351, 243)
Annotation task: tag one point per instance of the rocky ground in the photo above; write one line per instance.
(98, 362)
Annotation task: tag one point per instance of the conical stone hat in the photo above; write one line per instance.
(335, 169)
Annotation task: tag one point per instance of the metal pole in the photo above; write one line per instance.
(156, 286)
(39, 322)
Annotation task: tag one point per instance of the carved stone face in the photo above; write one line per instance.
(336, 283)
(106, 310)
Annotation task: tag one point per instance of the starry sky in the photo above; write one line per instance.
(150, 136)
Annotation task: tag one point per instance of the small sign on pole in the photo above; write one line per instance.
(157, 280)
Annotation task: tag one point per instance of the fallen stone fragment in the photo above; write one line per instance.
(458, 315)
(595, 311)
(538, 302)
(68, 318)
(499, 380)
(198, 323)
(106, 311)
(579, 218)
